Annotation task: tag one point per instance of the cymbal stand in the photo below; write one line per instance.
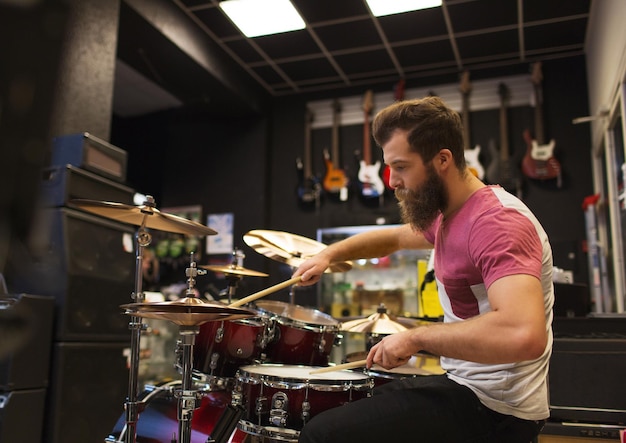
(188, 399)
(133, 407)
(234, 279)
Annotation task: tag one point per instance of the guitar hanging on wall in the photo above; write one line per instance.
(309, 187)
(335, 180)
(539, 162)
(471, 154)
(501, 170)
(398, 96)
(370, 183)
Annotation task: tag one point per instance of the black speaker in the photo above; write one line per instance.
(21, 415)
(87, 263)
(586, 378)
(87, 392)
(28, 366)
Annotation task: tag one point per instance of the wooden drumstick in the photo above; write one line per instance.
(265, 292)
(350, 365)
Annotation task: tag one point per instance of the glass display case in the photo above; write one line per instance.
(394, 280)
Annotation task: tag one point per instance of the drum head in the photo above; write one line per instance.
(297, 375)
(297, 313)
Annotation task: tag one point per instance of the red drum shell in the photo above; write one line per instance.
(302, 336)
(158, 421)
(258, 387)
(227, 345)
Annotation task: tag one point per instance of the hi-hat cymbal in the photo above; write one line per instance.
(236, 270)
(289, 248)
(187, 311)
(143, 215)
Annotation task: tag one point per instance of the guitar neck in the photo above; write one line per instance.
(367, 145)
(539, 137)
(307, 145)
(335, 136)
(504, 132)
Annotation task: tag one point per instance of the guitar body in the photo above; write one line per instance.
(309, 189)
(473, 163)
(503, 172)
(372, 185)
(335, 180)
(539, 162)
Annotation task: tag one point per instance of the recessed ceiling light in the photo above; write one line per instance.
(388, 7)
(262, 17)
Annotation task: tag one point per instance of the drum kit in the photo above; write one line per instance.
(259, 371)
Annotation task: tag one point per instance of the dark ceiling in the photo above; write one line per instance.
(345, 46)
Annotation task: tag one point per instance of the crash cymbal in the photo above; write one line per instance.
(187, 311)
(235, 270)
(288, 248)
(143, 215)
(379, 323)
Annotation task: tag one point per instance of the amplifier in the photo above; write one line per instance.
(87, 151)
(64, 183)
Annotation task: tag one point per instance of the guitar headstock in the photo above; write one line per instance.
(368, 101)
(503, 92)
(398, 90)
(536, 76)
(466, 85)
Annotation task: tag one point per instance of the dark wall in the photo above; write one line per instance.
(247, 166)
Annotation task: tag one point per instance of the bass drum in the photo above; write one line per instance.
(158, 422)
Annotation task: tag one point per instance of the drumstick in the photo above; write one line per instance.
(350, 365)
(265, 292)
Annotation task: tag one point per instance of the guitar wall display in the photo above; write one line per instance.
(501, 170)
(370, 183)
(309, 187)
(335, 180)
(539, 162)
(471, 154)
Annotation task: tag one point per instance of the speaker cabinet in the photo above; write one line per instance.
(21, 415)
(28, 366)
(87, 264)
(87, 393)
(587, 368)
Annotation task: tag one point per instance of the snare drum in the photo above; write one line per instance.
(221, 347)
(279, 399)
(158, 422)
(301, 336)
(417, 366)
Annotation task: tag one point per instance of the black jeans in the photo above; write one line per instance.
(430, 409)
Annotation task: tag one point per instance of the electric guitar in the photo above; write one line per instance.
(335, 181)
(471, 154)
(371, 184)
(309, 187)
(501, 170)
(398, 96)
(539, 162)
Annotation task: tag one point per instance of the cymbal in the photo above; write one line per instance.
(143, 215)
(236, 270)
(187, 311)
(289, 248)
(379, 323)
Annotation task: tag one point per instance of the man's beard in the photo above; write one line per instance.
(420, 207)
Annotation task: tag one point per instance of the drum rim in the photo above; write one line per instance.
(355, 380)
(273, 432)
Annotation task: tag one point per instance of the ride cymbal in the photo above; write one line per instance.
(236, 270)
(289, 248)
(143, 215)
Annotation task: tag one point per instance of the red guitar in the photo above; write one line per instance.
(371, 184)
(539, 162)
(398, 96)
(335, 181)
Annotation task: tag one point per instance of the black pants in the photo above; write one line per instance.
(428, 409)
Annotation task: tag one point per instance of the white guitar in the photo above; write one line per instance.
(372, 185)
(471, 154)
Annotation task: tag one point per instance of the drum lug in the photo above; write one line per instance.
(219, 334)
(213, 363)
(306, 411)
(338, 340)
(278, 413)
(260, 405)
